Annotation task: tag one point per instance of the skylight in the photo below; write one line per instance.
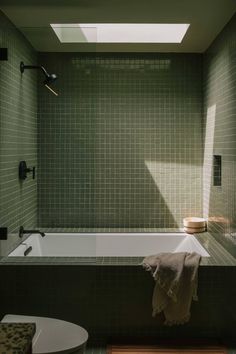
(120, 32)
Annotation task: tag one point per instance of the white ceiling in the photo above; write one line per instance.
(206, 17)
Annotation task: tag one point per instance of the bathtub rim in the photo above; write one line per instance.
(219, 256)
(37, 238)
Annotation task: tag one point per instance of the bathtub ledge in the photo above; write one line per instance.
(219, 256)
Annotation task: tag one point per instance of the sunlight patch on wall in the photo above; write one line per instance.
(176, 183)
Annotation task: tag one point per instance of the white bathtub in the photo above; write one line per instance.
(107, 245)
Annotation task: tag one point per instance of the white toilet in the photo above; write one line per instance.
(54, 336)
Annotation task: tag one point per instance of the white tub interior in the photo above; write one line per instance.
(108, 245)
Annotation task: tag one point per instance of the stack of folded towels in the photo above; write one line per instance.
(176, 277)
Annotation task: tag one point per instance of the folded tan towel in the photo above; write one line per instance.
(176, 276)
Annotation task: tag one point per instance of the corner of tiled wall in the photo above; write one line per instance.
(220, 136)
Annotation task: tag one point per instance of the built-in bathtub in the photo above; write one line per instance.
(107, 245)
(99, 284)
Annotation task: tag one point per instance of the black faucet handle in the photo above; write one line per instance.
(31, 170)
(21, 231)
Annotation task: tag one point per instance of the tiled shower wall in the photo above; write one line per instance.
(220, 135)
(18, 132)
(121, 146)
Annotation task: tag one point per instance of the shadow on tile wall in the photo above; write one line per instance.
(18, 133)
(121, 145)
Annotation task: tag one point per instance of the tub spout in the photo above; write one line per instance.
(22, 231)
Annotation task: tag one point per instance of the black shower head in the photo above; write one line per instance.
(50, 78)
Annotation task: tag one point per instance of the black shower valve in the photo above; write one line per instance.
(24, 170)
(32, 170)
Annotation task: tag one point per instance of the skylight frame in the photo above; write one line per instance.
(120, 32)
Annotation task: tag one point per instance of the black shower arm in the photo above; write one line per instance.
(37, 67)
(23, 67)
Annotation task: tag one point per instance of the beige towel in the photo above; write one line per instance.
(176, 276)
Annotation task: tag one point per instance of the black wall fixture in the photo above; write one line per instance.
(3, 54)
(24, 170)
(49, 78)
(217, 170)
(3, 233)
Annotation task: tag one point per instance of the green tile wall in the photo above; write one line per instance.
(121, 146)
(220, 135)
(18, 132)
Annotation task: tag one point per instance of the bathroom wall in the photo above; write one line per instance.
(121, 146)
(18, 133)
(220, 135)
